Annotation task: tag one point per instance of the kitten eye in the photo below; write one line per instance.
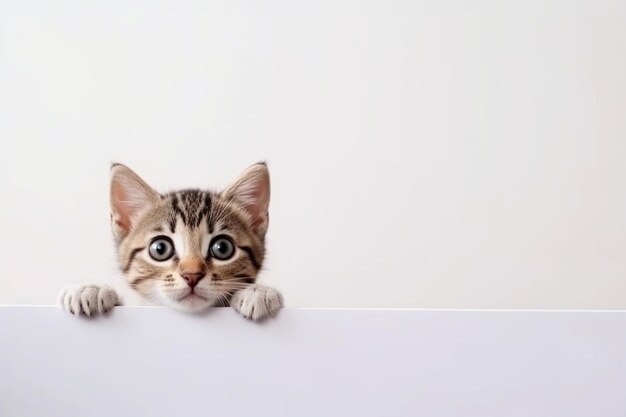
(222, 248)
(161, 249)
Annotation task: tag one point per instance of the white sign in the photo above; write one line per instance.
(157, 362)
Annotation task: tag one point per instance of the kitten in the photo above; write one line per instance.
(188, 249)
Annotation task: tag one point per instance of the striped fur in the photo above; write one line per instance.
(191, 218)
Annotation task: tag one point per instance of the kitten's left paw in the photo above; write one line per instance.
(88, 300)
(257, 302)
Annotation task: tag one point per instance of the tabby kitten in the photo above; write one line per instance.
(188, 249)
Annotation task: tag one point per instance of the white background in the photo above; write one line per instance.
(423, 153)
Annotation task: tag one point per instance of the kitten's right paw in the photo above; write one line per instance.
(88, 299)
(257, 302)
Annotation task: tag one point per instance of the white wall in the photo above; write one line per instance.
(423, 153)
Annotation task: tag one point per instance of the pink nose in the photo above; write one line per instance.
(192, 278)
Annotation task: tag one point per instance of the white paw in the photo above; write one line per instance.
(257, 302)
(88, 299)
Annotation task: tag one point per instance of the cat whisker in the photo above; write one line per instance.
(229, 284)
(223, 299)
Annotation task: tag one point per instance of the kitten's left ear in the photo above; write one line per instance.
(129, 195)
(252, 191)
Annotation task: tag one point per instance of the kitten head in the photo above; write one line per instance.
(190, 249)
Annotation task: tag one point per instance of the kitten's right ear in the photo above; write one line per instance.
(129, 195)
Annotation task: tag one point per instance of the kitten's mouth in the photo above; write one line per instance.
(190, 296)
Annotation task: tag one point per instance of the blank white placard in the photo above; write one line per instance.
(157, 362)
